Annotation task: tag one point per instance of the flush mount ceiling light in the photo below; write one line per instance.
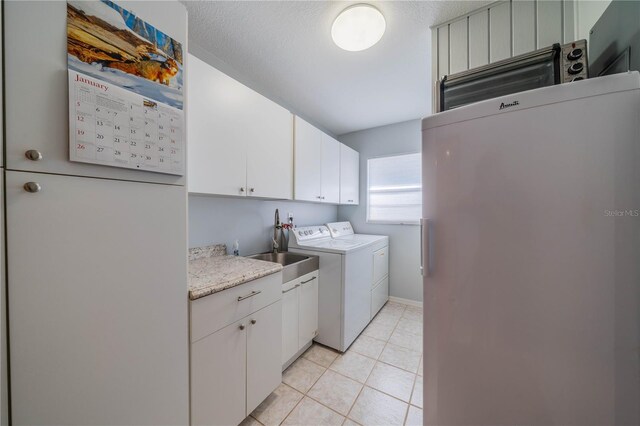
(358, 27)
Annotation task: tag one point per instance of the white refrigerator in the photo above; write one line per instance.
(96, 259)
(531, 257)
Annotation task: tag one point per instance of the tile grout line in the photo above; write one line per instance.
(310, 387)
(413, 388)
(363, 385)
(369, 375)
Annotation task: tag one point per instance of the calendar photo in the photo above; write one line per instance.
(110, 43)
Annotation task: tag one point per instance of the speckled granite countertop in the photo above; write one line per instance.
(211, 270)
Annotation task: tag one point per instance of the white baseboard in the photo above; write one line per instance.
(405, 301)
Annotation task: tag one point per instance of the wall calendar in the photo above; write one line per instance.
(125, 90)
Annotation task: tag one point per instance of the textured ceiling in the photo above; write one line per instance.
(284, 50)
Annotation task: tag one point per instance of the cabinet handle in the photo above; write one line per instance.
(350, 201)
(308, 281)
(33, 155)
(319, 197)
(322, 198)
(292, 288)
(252, 190)
(253, 293)
(241, 327)
(242, 189)
(253, 321)
(32, 187)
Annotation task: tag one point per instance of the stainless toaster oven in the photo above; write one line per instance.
(544, 67)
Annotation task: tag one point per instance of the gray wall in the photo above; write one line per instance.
(404, 240)
(215, 220)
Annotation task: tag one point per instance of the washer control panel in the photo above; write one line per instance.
(308, 233)
(340, 229)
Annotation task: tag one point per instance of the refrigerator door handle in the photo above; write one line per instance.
(425, 247)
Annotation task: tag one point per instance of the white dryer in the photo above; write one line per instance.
(345, 282)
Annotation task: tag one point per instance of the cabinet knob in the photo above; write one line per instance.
(33, 155)
(322, 198)
(32, 187)
(319, 197)
(252, 190)
(253, 321)
(241, 327)
(242, 189)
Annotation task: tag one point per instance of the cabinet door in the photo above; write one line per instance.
(349, 175)
(264, 354)
(330, 173)
(97, 292)
(218, 377)
(36, 87)
(307, 160)
(289, 319)
(270, 149)
(217, 149)
(308, 308)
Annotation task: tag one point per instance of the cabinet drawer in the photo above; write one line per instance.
(379, 296)
(213, 312)
(380, 264)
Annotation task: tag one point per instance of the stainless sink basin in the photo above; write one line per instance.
(284, 259)
(295, 265)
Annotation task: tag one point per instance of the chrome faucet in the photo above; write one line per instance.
(277, 228)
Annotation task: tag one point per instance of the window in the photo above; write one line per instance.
(394, 189)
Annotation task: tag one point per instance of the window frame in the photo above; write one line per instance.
(388, 222)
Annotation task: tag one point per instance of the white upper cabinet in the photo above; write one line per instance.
(270, 149)
(319, 167)
(330, 174)
(349, 175)
(36, 88)
(308, 155)
(316, 164)
(240, 143)
(217, 152)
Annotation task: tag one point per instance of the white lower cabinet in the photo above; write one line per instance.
(289, 319)
(308, 309)
(237, 365)
(299, 314)
(264, 331)
(219, 377)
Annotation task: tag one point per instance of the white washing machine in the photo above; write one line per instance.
(379, 249)
(345, 282)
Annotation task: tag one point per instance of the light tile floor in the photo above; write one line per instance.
(378, 381)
